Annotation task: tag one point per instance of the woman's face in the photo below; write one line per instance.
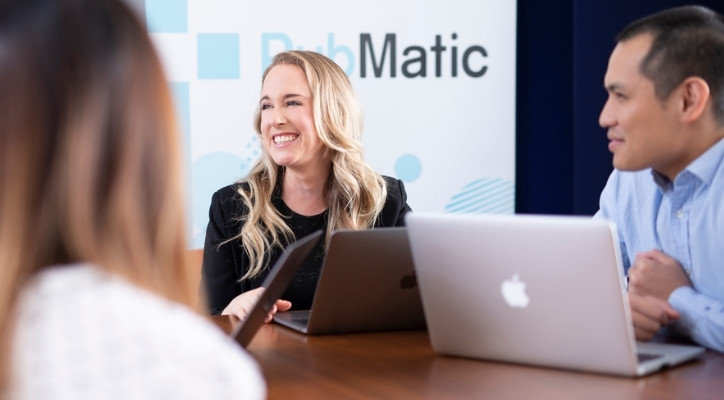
(287, 121)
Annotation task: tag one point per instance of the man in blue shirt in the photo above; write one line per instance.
(665, 121)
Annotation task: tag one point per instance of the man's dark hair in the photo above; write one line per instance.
(687, 41)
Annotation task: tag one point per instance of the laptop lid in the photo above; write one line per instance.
(367, 283)
(275, 283)
(540, 290)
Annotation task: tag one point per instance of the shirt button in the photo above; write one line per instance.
(679, 214)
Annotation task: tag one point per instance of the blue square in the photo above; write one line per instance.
(182, 103)
(218, 55)
(167, 16)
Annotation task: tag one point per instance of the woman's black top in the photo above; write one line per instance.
(225, 264)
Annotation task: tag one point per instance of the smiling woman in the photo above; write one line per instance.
(311, 176)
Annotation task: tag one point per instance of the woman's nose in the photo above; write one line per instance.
(277, 117)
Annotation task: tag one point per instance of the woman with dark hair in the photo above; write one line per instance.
(92, 276)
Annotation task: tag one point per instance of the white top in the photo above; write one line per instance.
(82, 334)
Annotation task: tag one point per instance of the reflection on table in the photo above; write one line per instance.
(401, 364)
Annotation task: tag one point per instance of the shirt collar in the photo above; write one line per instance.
(704, 167)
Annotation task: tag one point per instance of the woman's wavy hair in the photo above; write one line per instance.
(89, 152)
(355, 193)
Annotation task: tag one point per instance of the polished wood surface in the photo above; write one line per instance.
(402, 365)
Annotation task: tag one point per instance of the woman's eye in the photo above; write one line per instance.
(264, 107)
(294, 103)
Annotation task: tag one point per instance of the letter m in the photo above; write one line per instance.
(365, 43)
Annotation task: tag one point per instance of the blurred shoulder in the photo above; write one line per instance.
(123, 338)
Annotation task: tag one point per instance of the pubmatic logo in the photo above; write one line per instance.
(387, 55)
(513, 291)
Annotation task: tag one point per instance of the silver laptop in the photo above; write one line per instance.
(367, 283)
(275, 283)
(531, 289)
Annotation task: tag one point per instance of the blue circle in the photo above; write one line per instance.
(408, 168)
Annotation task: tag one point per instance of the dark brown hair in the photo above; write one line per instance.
(89, 152)
(687, 41)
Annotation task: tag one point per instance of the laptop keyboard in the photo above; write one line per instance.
(643, 357)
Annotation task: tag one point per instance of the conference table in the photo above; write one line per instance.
(402, 365)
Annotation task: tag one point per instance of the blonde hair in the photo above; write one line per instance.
(89, 152)
(355, 193)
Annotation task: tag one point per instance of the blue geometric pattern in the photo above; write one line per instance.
(167, 16)
(218, 55)
(484, 196)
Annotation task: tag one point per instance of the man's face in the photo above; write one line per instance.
(642, 130)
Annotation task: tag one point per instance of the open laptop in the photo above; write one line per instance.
(275, 283)
(367, 283)
(531, 289)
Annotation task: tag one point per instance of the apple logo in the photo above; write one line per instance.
(514, 292)
(408, 281)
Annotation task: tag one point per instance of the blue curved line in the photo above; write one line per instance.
(486, 197)
(465, 196)
(477, 186)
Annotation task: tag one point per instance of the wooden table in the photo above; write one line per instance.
(402, 365)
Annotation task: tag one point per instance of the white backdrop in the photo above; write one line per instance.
(442, 118)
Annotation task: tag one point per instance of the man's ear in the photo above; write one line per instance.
(694, 98)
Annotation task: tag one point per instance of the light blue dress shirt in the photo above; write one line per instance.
(685, 220)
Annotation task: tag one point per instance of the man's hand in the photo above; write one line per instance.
(653, 273)
(650, 314)
(651, 279)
